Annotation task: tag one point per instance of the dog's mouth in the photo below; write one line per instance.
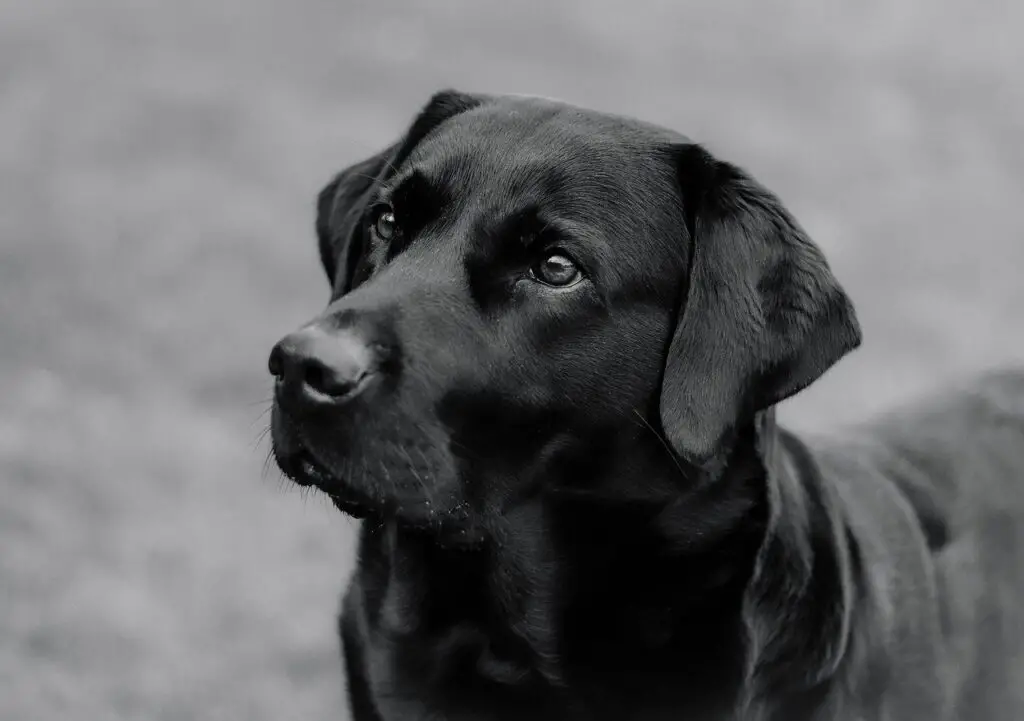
(305, 470)
(363, 498)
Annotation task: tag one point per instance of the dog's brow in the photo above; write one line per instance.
(398, 184)
(524, 225)
(417, 198)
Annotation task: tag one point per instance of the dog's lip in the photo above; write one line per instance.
(304, 469)
(316, 474)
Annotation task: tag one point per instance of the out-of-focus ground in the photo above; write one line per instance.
(158, 163)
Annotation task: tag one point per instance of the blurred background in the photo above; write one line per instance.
(158, 166)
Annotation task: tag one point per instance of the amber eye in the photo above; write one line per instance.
(384, 223)
(556, 270)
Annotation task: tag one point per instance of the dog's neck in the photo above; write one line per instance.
(643, 598)
(799, 623)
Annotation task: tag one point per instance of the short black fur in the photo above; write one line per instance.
(578, 503)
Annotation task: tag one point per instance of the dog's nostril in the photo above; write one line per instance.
(335, 382)
(275, 364)
(318, 378)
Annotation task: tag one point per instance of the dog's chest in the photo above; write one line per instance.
(454, 676)
(424, 659)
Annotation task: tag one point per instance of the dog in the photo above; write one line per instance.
(546, 380)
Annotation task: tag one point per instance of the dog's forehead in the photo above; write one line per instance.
(609, 179)
(526, 142)
(517, 136)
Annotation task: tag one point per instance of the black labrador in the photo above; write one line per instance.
(545, 380)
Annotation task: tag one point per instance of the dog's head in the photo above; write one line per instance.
(530, 299)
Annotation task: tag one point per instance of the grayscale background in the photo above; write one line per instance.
(158, 166)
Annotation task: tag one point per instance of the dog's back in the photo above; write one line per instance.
(954, 467)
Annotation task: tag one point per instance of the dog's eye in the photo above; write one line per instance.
(557, 270)
(384, 223)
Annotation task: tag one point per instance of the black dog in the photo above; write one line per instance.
(546, 379)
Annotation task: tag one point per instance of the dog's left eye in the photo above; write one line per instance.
(556, 270)
(384, 223)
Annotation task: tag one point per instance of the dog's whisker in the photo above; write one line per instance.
(357, 174)
(261, 436)
(470, 452)
(423, 457)
(391, 165)
(270, 467)
(412, 467)
(664, 442)
(261, 416)
(431, 501)
(268, 464)
(426, 467)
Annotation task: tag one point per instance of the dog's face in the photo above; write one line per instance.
(531, 302)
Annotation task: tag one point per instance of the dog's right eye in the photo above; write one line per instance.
(556, 270)
(384, 224)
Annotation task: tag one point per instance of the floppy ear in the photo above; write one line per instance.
(342, 204)
(762, 317)
(339, 211)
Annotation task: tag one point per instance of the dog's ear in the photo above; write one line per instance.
(339, 212)
(342, 204)
(762, 315)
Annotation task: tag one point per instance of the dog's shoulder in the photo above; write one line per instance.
(954, 456)
(930, 501)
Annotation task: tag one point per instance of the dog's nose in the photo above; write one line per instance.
(323, 366)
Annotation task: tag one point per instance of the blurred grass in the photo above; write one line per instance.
(158, 163)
